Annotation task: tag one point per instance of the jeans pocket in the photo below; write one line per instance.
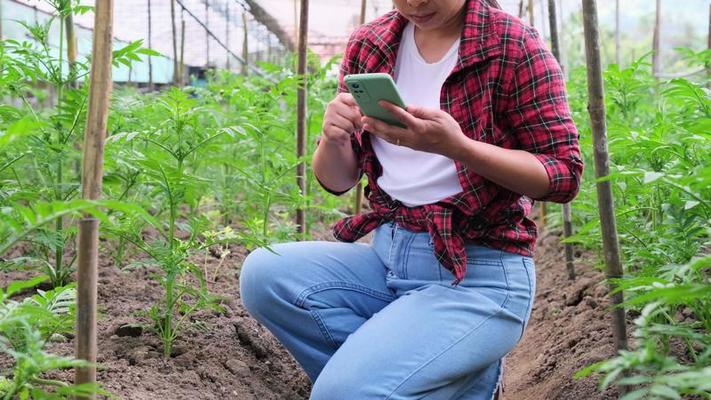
(420, 262)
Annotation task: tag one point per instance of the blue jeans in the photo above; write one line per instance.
(382, 321)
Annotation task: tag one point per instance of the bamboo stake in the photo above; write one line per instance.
(301, 111)
(530, 12)
(93, 160)
(227, 35)
(363, 4)
(617, 32)
(71, 47)
(245, 45)
(543, 19)
(561, 37)
(596, 108)
(520, 9)
(656, 60)
(207, 35)
(708, 44)
(150, 46)
(296, 19)
(567, 224)
(175, 43)
(359, 187)
(181, 79)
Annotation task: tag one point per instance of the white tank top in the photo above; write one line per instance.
(410, 176)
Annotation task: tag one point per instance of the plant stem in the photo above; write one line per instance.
(59, 227)
(168, 319)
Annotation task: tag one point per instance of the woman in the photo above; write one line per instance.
(444, 290)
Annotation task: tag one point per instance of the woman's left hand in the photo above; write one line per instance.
(427, 129)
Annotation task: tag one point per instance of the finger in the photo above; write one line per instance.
(337, 135)
(423, 112)
(347, 99)
(350, 113)
(386, 131)
(400, 114)
(342, 122)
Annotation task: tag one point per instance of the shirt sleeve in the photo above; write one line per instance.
(348, 63)
(539, 116)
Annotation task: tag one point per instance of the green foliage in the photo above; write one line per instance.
(659, 145)
(25, 328)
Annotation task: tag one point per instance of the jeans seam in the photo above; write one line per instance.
(301, 298)
(469, 332)
(530, 299)
(406, 257)
(322, 327)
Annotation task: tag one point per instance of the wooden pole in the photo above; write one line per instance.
(596, 108)
(656, 60)
(227, 35)
(296, 19)
(207, 34)
(245, 45)
(520, 9)
(176, 68)
(71, 47)
(359, 187)
(301, 111)
(561, 37)
(708, 46)
(93, 161)
(543, 19)
(181, 79)
(567, 224)
(617, 33)
(530, 12)
(150, 46)
(363, 4)
(553, 22)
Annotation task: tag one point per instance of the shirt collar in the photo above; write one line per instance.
(479, 40)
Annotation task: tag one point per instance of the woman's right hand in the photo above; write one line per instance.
(341, 118)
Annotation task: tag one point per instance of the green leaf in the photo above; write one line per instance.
(651, 176)
(19, 286)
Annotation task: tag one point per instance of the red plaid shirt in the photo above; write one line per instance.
(506, 89)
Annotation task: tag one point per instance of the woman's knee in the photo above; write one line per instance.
(256, 278)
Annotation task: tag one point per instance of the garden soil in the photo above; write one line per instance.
(228, 355)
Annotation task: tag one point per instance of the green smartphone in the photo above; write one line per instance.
(368, 89)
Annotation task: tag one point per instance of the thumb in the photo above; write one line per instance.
(423, 112)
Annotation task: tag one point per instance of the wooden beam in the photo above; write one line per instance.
(266, 19)
(605, 200)
(301, 127)
(92, 173)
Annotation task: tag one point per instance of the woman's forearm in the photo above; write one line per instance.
(516, 170)
(335, 165)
